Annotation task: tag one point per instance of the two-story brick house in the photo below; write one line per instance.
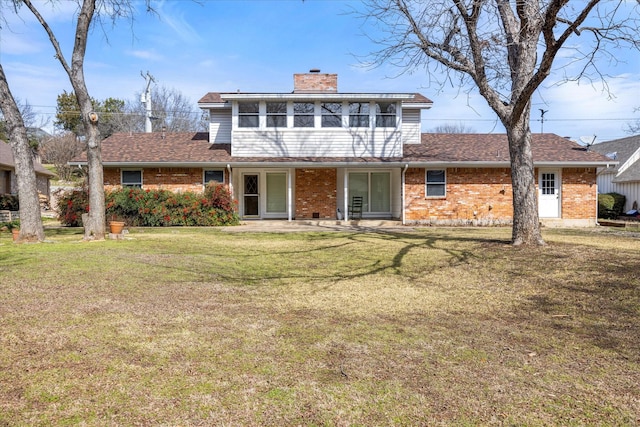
(306, 154)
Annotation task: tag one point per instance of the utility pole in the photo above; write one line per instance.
(145, 98)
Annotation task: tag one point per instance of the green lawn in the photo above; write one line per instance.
(437, 326)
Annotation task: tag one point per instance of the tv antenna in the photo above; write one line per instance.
(542, 119)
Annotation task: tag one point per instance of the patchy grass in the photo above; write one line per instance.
(436, 326)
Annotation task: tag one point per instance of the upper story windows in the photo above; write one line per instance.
(359, 115)
(276, 114)
(248, 114)
(283, 114)
(303, 114)
(386, 114)
(331, 114)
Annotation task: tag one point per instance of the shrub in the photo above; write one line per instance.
(9, 202)
(610, 205)
(71, 205)
(156, 208)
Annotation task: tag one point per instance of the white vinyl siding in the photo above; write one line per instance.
(220, 126)
(411, 126)
(631, 190)
(329, 142)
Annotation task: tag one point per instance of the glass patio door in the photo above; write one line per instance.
(375, 190)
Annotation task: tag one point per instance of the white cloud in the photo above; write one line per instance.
(176, 20)
(145, 54)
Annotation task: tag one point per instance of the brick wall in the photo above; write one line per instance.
(482, 195)
(315, 82)
(485, 196)
(315, 192)
(579, 193)
(173, 179)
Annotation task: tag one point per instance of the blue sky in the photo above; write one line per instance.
(257, 46)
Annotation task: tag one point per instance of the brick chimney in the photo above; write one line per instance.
(315, 82)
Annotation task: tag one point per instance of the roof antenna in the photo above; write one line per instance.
(542, 119)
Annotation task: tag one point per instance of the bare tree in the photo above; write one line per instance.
(170, 109)
(633, 128)
(506, 49)
(31, 228)
(453, 128)
(94, 227)
(59, 150)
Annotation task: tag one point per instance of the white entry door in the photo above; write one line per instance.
(549, 194)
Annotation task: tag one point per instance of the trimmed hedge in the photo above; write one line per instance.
(610, 205)
(156, 208)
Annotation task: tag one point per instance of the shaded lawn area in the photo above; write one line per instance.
(433, 326)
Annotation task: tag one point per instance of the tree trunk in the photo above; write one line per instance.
(95, 229)
(526, 225)
(31, 228)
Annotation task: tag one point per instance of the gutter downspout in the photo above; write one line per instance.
(597, 202)
(289, 193)
(402, 192)
(230, 181)
(346, 195)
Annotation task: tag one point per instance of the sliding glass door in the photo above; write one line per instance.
(375, 190)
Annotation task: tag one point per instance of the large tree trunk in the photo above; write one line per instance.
(95, 229)
(526, 225)
(31, 228)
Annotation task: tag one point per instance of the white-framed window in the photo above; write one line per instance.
(331, 114)
(436, 183)
(131, 178)
(276, 114)
(303, 114)
(359, 114)
(248, 114)
(386, 114)
(213, 175)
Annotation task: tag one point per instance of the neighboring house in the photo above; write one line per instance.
(8, 183)
(623, 178)
(307, 154)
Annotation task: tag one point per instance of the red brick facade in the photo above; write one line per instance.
(315, 83)
(473, 195)
(484, 196)
(315, 193)
(174, 179)
(579, 193)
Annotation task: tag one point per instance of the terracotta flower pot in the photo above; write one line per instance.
(116, 227)
(15, 233)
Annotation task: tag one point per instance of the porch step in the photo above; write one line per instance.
(322, 223)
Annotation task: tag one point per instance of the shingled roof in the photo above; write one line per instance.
(493, 149)
(193, 148)
(6, 160)
(626, 151)
(219, 97)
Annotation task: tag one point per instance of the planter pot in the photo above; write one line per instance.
(116, 227)
(15, 233)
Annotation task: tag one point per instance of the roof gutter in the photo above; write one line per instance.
(351, 164)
